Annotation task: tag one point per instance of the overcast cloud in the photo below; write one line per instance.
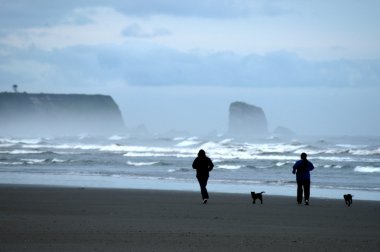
(313, 66)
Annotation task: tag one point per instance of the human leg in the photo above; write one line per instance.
(203, 184)
(306, 186)
(299, 191)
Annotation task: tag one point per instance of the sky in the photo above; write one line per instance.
(312, 66)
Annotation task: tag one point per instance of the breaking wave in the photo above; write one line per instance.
(229, 167)
(141, 163)
(366, 169)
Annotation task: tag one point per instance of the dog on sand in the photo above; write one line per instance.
(256, 196)
(348, 199)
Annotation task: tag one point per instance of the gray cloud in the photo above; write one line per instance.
(84, 65)
(199, 8)
(24, 13)
(42, 13)
(135, 30)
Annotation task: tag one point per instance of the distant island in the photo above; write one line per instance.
(58, 114)
(247, 120)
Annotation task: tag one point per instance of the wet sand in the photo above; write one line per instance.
(80, 219)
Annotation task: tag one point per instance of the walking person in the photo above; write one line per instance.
(302, 170)
(203, 165)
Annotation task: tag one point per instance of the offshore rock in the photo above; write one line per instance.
(23, 114)
(283, 131)
(247, 120)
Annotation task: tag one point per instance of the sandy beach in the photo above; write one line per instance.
(81, 219)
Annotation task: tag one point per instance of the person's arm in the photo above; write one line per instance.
(211, 165)
(195, 164)
(294, 168)
(311, 166)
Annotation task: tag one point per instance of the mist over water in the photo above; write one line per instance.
(315, 111)
(345, 164)
(24, 114)
(165, 130)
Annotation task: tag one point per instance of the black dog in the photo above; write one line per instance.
(257, 196)
(348, 199)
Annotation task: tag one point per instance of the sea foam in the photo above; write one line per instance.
(141, 163)
(229, 167)
(366, 169)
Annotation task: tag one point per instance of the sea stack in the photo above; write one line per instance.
(247, 120)
(23, 114)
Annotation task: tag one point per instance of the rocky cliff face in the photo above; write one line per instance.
(246, 120)
(58, 114)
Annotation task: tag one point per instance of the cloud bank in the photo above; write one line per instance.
(80, 65)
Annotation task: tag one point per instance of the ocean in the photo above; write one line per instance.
(342, 164)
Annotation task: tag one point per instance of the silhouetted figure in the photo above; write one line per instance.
(302, 170)
(203, 165)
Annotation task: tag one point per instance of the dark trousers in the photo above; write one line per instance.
(303, 186)
(203, 183)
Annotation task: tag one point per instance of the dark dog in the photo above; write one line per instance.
(348, 199)
(257, 196)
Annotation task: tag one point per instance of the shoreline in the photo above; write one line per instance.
(45, 218)
(164, 190)
(147, 183)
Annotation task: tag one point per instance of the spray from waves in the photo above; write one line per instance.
(229, 167)
(367, 169)
(33, 161)
(279, 164)
(333, 166)
(224, 150)
(17, 152)
(179, 170)
(11, 163)
(219, 148)
(116, 138)
(21, 141)
(6, 145)
(225, 141)
(236, 162)
(178, 138)
(365, 152)
(157, 154)
(27, 152)
(352, 146)
(56, 160)
(141, 163)
(188, 142)
(64, 146)
(37, 161)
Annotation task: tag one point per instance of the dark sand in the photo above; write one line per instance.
(77, 219)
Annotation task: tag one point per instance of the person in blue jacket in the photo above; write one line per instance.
(203, 165)
(302, 170)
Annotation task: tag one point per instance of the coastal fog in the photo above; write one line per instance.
(204, 110)
(176, 65)
(49, 115)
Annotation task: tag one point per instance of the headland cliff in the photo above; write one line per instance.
(23, 114)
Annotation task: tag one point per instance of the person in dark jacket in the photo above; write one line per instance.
(302, 170)
(203, 165)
